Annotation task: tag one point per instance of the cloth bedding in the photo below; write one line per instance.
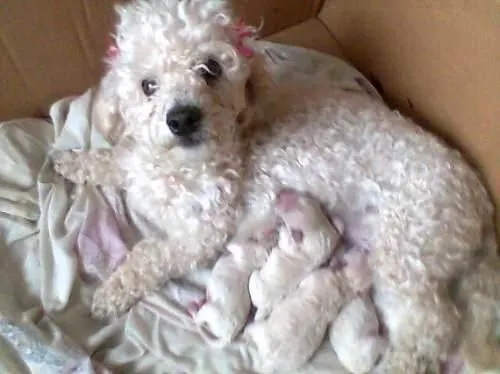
(59, 240)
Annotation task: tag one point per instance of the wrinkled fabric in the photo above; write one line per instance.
(59, 240)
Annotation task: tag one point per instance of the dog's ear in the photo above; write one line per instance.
(259, 80)
(256, 89)
(106, 115)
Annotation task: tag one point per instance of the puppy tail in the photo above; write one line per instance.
(480, 349)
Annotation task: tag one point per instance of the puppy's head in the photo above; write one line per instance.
(183, 77)
(304, 220)
(299, 211)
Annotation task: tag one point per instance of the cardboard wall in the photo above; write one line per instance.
(436, 59)
(309, 34)
(51, 49)
(48, 50)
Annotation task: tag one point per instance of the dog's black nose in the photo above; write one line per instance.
(184, 120)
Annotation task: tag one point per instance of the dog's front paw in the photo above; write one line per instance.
(101, 307)
(109, 301)
(68, 164)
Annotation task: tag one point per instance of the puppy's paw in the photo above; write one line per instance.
(69, 165)
(257, 290)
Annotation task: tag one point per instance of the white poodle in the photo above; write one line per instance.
(307, 239)
(202, 137)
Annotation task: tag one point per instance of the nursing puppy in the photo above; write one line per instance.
(297, 324)
(307, 239)
(355, 335)
(227, 305)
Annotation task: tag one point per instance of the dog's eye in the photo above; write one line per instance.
(149, 86)
(210, 70)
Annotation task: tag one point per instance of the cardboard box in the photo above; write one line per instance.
(435, 59)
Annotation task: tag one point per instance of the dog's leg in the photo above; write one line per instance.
(478, 293)
(422, 329)
(147, 267)
(96, 167)
(414, 266)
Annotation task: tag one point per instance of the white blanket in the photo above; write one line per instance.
(58, 241)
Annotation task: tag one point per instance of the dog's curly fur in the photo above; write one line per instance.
(344, 148)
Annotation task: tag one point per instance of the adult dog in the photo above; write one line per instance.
(203, 142)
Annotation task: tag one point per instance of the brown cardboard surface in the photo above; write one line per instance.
(437, 59)
(51, 49)
(276, 14)
(309, 34)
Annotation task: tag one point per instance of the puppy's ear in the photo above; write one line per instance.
(106, 116)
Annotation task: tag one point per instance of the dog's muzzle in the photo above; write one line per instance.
(184, 121)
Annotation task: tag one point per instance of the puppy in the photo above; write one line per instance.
(306, 240)
(296, 325)
(228, 302)
(355, 336)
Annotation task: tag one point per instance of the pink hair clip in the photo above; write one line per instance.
(243, 32)
(112, 51)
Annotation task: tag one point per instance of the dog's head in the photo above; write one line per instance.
(183, 76)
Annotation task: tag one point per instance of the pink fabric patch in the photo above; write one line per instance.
(99, 244)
